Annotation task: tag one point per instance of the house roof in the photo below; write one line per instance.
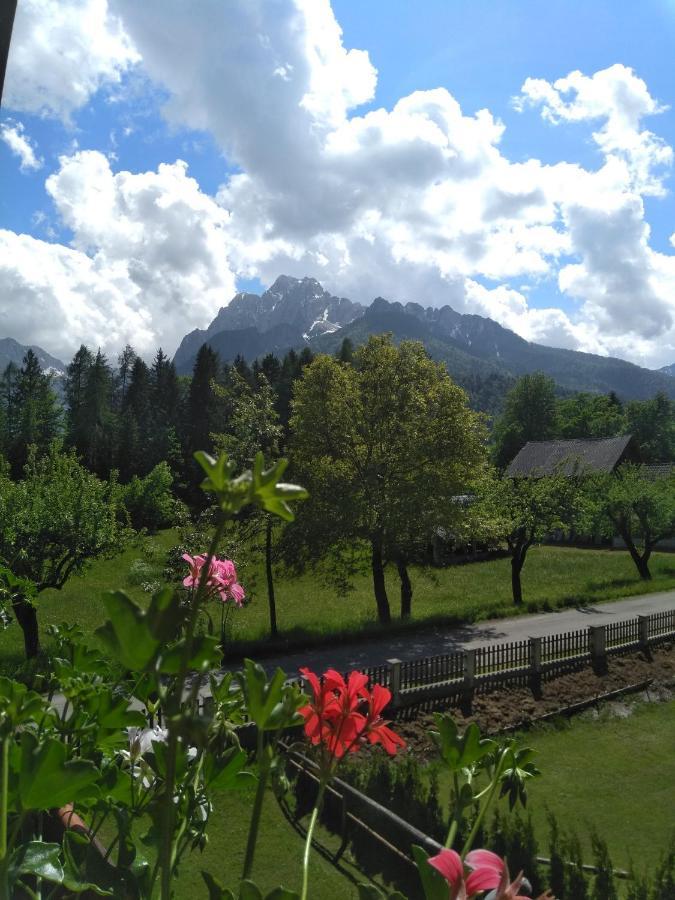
(591, 454)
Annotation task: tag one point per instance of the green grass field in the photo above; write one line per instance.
(308, 610)
(614, 774)
(278, 858)
(617, 774)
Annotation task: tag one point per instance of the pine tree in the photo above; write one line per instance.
(76, 381)
(38, 419)
(202, 402)
(125, 362)
(165, 409)
(8, 407)
(97, 418)
(134, 424)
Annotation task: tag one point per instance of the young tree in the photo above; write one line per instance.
(529, 415)
(383, 446)
(253, 425)
(523, 511)
(634, 505)
(52, 523)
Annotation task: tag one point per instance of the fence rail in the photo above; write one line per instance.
(433, 677)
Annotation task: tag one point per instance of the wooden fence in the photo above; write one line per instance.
(517, 662)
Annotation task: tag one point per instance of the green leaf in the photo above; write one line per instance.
(133, 635)
(282, 893)
(460, 751)
(215, 888)
(434, 885)
(370, 892)
(260, 487)
(271, 494)
(249, 891)
(227, 772)
(48, 780)
(39, 859)
(206, 654)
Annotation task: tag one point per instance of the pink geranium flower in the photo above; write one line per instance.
(488, 872)
(485, 875)
(221, 578)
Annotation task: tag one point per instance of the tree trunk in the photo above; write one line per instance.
(270, 578)
(379, 586)
(406, 587)
(517, 562)
(26, 616)
(641, 562)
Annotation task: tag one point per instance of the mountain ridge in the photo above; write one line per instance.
(472, 346)
(12, 351)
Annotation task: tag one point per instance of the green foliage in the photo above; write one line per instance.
(522, 511)
(383, 446)
(529, 415)
(148, 501)
(633, 505)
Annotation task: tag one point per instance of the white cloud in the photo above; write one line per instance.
(62, 52)
(148, 261)
(14, 135)
(413, 202)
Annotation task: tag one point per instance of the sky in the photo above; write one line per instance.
(506, 157)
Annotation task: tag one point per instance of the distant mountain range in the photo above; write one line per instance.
(292, 313)
(668, 370)
(12, 351)
(296, 313)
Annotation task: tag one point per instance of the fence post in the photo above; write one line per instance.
(598, 641)
(535, 666)
(468, 685)
(643, 632)
(395, 681)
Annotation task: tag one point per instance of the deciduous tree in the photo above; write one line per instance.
(383, 445)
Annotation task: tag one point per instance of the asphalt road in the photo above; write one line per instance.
(376, 651)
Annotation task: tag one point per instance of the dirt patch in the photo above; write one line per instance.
(504, 708)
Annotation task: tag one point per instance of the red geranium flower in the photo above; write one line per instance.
(344, 714)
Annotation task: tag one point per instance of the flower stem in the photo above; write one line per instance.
(4, 792)
(484, 807)
(308, 839)
(263, 770)
(167, 850)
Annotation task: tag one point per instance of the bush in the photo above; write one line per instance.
(149, 502)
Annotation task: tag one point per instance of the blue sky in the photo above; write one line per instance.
(311, 151)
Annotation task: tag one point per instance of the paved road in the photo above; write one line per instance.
(437, 640)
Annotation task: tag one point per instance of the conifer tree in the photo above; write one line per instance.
(75, 387)
(37, 415)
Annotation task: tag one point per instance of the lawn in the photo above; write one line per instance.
(615, 774)
(278, 856)
(309, 610)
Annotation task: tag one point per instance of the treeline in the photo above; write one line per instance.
(533, 411)
(131, 416)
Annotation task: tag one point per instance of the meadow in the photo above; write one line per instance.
(310, 610)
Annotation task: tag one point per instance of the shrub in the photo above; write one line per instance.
(149, 502)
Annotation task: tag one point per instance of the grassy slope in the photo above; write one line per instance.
(617, 774)
(308, 609)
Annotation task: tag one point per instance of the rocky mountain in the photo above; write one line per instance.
(13, 351)
(482, 356)
(289, 314)
(668, 370)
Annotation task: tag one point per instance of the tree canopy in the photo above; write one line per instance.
(383, 445)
